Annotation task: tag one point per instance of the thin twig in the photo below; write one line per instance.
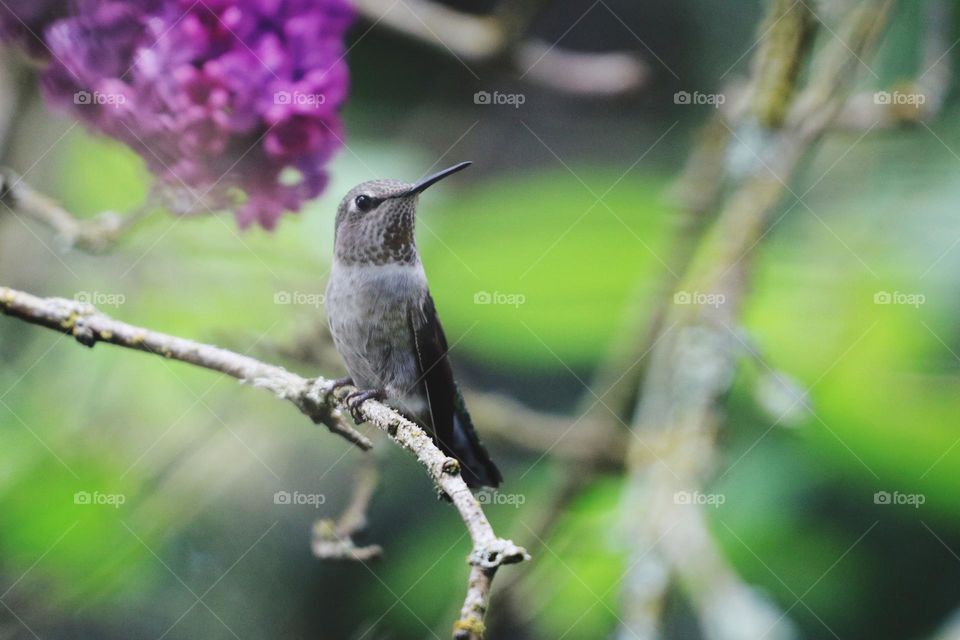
(914, 101)
(95, 234)
(333, 540)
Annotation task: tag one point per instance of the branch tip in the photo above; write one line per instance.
(496, 553)
(470, 627)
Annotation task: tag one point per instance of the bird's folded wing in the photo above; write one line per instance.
(434, 372)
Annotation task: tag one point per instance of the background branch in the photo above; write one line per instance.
(692, 365)
(95, 234)
(503, 35)
(333, 540)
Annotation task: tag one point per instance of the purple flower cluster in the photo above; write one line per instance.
(234, 103)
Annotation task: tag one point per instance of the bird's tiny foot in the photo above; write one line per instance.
(329, 387)
(340, 382)
(357, 398)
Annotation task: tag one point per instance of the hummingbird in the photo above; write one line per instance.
(384, 322)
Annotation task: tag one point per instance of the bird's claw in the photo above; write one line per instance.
(339, 382)
(329, 387)
(357, 398)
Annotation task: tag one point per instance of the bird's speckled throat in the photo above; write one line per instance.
(383, 235)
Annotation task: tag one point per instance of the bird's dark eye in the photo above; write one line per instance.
(364, 203)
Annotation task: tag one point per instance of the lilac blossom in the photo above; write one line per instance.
(232, 104)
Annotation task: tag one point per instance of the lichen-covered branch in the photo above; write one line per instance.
(693, 365)
(88, 326)
(489, 551)
(316, 399)
(787, 30)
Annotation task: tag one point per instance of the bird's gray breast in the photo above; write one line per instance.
(368, 310)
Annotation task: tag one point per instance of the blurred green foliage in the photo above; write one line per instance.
(198, 458)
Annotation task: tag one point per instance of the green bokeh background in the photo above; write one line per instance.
(198, 457)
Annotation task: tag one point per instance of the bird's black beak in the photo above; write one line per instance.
(435, 178)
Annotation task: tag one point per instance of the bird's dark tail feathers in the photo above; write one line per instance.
(476, 467)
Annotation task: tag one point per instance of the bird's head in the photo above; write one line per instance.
(375, 220)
